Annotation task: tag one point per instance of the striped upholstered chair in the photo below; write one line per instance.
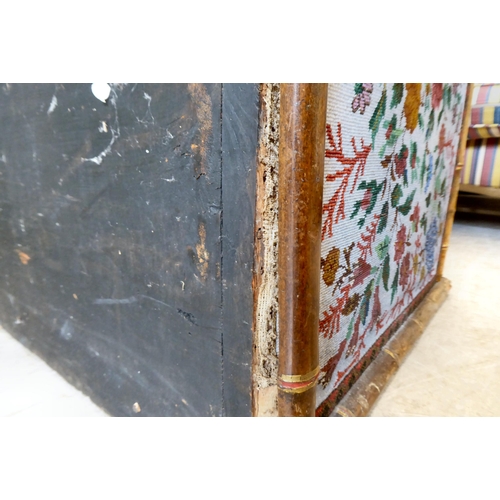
(481, 173)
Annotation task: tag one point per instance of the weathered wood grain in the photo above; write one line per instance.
(110, 251)
(240, 123)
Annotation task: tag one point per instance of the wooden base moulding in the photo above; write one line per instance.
(361, 398)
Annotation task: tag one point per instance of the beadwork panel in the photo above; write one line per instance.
(389, 162)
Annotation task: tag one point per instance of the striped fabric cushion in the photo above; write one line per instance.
(484, 132)
(485, 113)
(482, 163)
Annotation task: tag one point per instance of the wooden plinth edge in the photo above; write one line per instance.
(362, 396)
(492, 192)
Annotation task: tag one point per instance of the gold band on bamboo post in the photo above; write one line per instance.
(298, 383)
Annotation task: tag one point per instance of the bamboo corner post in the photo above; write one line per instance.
(300, 197)
(452, 205)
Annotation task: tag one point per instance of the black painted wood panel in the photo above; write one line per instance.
(240, 112)
(110, 242)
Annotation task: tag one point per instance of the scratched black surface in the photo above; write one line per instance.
(240, 106)
(109, 202)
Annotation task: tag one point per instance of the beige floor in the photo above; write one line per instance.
(30, 388)
(453, 370)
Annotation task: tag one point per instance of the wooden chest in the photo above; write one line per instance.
(163, 249)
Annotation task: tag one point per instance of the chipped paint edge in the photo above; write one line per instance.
(265, 282)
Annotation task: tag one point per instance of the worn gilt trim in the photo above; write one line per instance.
(298, 383)
(296, 388)
(300, 378)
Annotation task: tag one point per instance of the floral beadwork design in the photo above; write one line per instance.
(363, 97)
(389, 161)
